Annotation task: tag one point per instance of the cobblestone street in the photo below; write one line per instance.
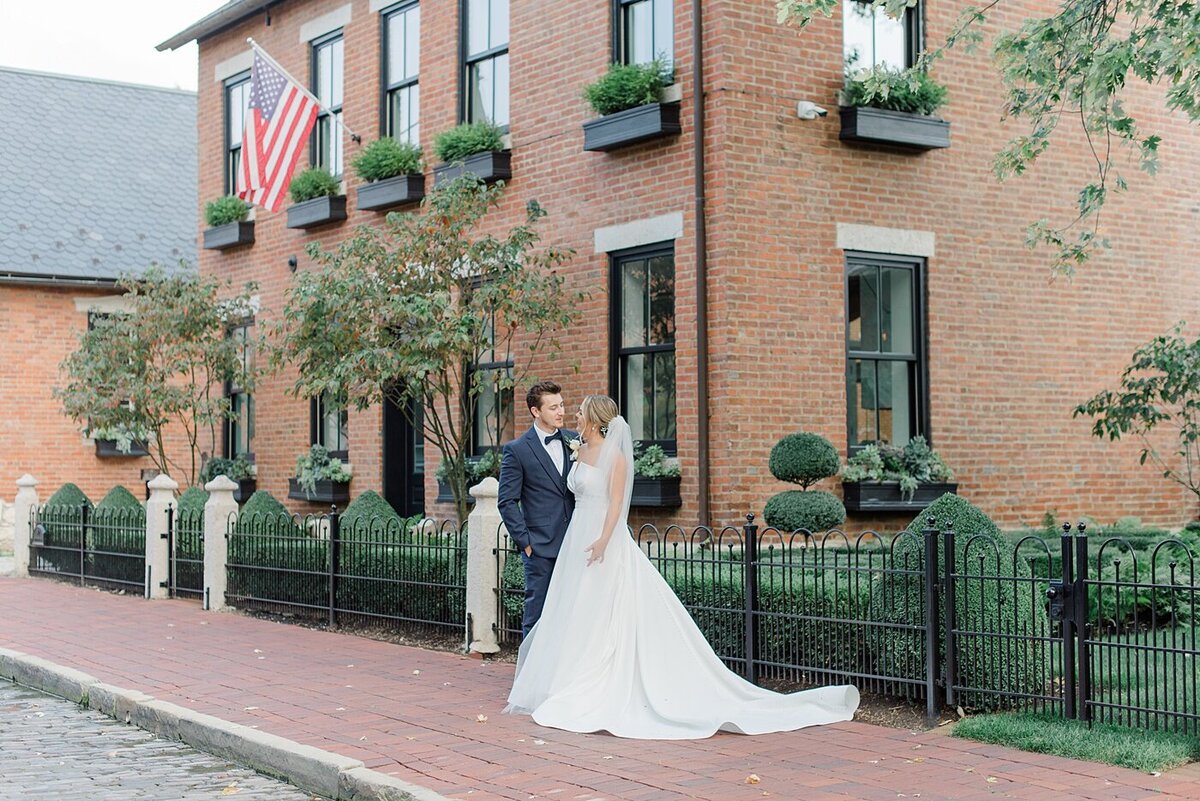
(52, 749)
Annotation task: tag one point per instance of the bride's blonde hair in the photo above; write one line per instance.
(599, 409)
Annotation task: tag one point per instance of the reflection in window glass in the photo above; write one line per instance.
(645, 31)
(327, 79)
(645, 288)
(871, 38)
(486, 24)
(402, 31)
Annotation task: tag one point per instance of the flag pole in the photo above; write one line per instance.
(258, 49)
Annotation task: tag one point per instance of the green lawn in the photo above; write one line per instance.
(1149, 751)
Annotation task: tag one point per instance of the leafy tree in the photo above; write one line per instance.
(1160, 385)
(1074, 65)
(162, 363)
(401, 312)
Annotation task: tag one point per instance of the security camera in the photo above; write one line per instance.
(808, 110)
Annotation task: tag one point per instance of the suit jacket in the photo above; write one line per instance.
(535, 503)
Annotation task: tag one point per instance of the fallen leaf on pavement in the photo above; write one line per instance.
(753, 779)
(231, 790)
(481, 719)
(992, 780)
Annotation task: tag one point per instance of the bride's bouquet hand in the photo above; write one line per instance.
(596, 551)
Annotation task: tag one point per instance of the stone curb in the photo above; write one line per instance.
(311, 769)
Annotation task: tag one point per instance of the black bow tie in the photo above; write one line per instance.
(557, 435)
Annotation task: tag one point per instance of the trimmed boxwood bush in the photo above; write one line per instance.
(804, 458)
(387, 158)
(60, 517)
(225, 210)
(466, 140)
(313, 183)
(627, 86)
(416, 581)
(984, 607)
(369, 517)
(117, 526)
(189, 524)
(811, 511)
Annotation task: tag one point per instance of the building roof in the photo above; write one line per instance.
(99, 177)
(229, 14)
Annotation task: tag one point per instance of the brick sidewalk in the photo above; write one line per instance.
(414, 714)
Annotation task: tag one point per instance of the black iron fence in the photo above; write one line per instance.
(1093, 631)
(185, 544)
(98, 547)
(361, 572)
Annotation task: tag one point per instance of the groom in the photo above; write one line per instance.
(534, 500)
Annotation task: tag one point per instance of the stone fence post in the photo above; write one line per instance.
(483, 577)
(158, 551)
(217, 511)
(26, 502)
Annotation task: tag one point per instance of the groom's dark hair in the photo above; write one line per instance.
(540, 390)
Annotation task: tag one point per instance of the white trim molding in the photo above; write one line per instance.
(108, 304)
(383, 5)
(634, 234)
(232, 66)
(326, 23)
(896, 241)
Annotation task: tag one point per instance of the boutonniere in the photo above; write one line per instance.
(574, 444)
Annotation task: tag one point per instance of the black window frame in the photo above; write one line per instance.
(467, 60)
(242, 79)
(316, 427)
(386, 88)
(324, 113)
(920, 421)
(505, 397)
(229, 430)
(618, 353)
(619, 41)
(914, 32)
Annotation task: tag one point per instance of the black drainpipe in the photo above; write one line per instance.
(701, 260)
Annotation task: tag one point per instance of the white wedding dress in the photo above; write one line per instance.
(616, 651)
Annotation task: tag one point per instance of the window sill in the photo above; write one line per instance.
(230, 235)
(317, 212)
(883, 127)
(632, 126)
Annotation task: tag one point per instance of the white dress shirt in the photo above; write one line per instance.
(554, 448)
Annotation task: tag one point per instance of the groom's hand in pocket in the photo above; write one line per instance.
(529, 550)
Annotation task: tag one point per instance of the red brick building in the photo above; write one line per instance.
(82, 204)
(861, 291)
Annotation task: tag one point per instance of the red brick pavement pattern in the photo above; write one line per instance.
(414, 714)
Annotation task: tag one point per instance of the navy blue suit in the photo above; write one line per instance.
(536, 507)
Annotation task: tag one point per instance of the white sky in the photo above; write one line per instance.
(111, 39)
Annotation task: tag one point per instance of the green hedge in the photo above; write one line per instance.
(804, 510)
(118, 526)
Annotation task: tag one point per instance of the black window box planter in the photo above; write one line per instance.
(107, 449)
(631, 126)
(326, 492)
(885, 496)
(390, 192)
(494, 165)
(229, 235)
(245, 488)
(880, 126)
(656, 492)
(446, 496)
(316, 212)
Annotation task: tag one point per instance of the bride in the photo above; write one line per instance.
(614, 649)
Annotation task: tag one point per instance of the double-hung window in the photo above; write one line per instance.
(643, 320)
(871, 38)
(237, 100)
(402, 58)
(239, 430)
(644, 31)
(485, 63)
(885, 372)
(327, 64)
(493, 420)
(330, 426)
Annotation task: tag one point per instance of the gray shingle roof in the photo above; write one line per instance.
(98, 178)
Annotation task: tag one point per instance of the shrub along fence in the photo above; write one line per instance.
(97, 546)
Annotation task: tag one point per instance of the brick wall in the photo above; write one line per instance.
(1010, 351)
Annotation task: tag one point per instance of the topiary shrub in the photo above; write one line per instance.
(371, 518)
(627, 86)
(119, 498)
(1004, 602)
(809, 511)
(264, 514)
(60, 518)
(116, 537)
(69, 495)
(225, 210)
(313, 183)
(272, 559)
(387, 158)
(466, 140)
(804, 458)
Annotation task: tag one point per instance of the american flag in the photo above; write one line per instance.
(278, 121)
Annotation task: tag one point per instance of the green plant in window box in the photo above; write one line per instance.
(387, 158)
(125, 437)
(318, 465)
(627, 86)
(225, 210)
(466, 140)
(653, 463)
(236, 469)
(313, 183)
(911, 91)
(914, 464)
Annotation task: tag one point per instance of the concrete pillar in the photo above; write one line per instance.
(217, 512)
(158, 552)
(483, 577)
(26, 502)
